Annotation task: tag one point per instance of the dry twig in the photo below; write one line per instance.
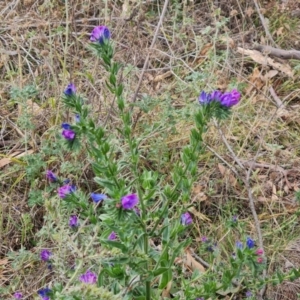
(262, 19)
(151, 47)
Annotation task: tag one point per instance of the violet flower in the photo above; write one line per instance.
(239, 245)
(44, 293)
(70, 90)
(73, 222)
(89, 277)
(129, 201)
(234, 219)
(229, 99)
(204, 239)
(77, 118)
(216, 95)
(112, 236)
(186, 219)
(98, 197)
(65, 126)
(250, 243)
(100, 34)
(204, 98)
(51, 176)
(45, 255)
(18, 295)
(65, 190)
(248, 294)
(68, 134)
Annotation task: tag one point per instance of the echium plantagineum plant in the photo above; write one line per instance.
(123, 212)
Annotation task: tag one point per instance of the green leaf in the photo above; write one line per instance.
(119, 260)
(119, 90)
(116, 244)
(104, 182)
(159, 271)
(165, 278)
(166, 232)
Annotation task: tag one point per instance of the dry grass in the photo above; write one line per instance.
(44, 43)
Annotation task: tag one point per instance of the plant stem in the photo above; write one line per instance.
(148, 283)
(174, 190)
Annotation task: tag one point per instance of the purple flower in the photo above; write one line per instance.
(230, 98)
(44, 293)
(18, 295)
(234, 218)
(89, 277)
(68, 134)
(250, 243)
(212, 247)
(186, 219)
(51, 176)
(216, 95)
(77, 118)
(204, 239)
(227, 99)
(236, 95)
(98, 197)
(204, 98)
(70, 90)
(248, 294)
(45, 255)
(73, 222)
(130, 201)
(239, 245)
(66, 126)
(65, 190)
(100, 34)
(200, 298)
(112, 236)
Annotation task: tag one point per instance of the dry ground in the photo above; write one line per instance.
(201, 45)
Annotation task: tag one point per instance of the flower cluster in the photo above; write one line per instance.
(67, 132)
(227, 99)
(250, 244)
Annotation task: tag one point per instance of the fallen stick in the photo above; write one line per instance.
(286, 54)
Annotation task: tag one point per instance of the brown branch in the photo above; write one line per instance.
(281, 53)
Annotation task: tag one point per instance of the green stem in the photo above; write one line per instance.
(174, 190)
(148, 283)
